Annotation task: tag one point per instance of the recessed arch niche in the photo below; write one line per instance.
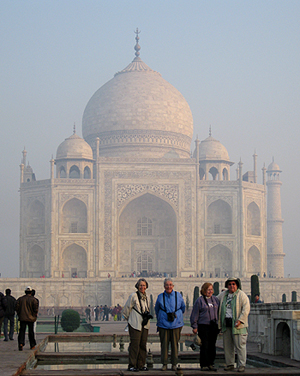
(74, 259)
(219, 261)
(283, 340)
(36, 221)
(36, 261)
(74, 217)
(148, 237)
(219, 218)
(254, 260)
(253, 219)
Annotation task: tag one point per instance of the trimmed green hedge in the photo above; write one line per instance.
(70, 320)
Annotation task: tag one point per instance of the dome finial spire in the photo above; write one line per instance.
(74, 128)
(137, 46)
(210, 131)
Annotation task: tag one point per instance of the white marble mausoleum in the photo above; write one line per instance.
(130, 196)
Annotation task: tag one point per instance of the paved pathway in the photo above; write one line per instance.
(13, 361)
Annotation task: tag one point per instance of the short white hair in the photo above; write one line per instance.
(168, 280)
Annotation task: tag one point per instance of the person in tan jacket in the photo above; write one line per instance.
(27, 307)
(234, 310)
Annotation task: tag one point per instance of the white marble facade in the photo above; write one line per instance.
(129, 197)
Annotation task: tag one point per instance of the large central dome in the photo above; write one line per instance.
(138, 114)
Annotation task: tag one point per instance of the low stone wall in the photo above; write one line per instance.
(275, 327)
(80, 292)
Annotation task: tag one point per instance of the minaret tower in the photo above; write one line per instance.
(275, 253)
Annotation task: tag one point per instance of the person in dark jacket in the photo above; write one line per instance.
(9, 316)
(204, 321)
(3, 305)
(27, 307)
(106, 312)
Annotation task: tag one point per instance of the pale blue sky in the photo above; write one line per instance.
(235, 62)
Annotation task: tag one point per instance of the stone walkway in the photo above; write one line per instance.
(13, 362)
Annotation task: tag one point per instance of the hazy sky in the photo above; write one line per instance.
(235, 62)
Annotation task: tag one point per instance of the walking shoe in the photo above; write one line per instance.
(164, 367)
(204, 369)
(241, 369)
(133, 369)
(144, 369)
(174, 367)
(228, 368)
(11, 339)
(212, 368)
(20, 347)
(5, 340)
(32, 348)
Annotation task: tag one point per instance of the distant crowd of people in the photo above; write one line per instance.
(103, 313)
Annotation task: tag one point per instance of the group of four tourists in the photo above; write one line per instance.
(228, 312)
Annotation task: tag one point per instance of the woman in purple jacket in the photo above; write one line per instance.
(204, 320)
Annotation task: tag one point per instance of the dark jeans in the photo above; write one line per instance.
(137, 347)
(11, 320)
(208, 338)
(1, 321)
(21, 337)
(105, 317)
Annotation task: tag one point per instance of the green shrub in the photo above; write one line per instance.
(196, 294)
(254, 287)
(216, 287)
(187, 302)
(70, 320)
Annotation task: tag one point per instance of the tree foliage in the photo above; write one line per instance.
(187, 302)
(151, 305)
(70, 320)
(254, 287)
(196, 294)
(216, 287)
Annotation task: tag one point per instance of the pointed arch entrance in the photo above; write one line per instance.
(219, 261)
(74, 260)
(147, 237)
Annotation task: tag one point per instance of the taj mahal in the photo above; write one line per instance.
(136, 195)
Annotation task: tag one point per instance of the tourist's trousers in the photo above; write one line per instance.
(137, 347)
(236, 342)
(166, 336)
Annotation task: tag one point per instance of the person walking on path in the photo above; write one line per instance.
(233, 322)
(3, 305)
(27, 307)
(169, 309)
(9, 316)
(88, 313)
(105, 313)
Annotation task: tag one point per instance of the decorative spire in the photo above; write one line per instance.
(24, 152)
(209, 131)
(137, 46)
(74, 128)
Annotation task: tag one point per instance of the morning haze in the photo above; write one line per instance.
(235, 63)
